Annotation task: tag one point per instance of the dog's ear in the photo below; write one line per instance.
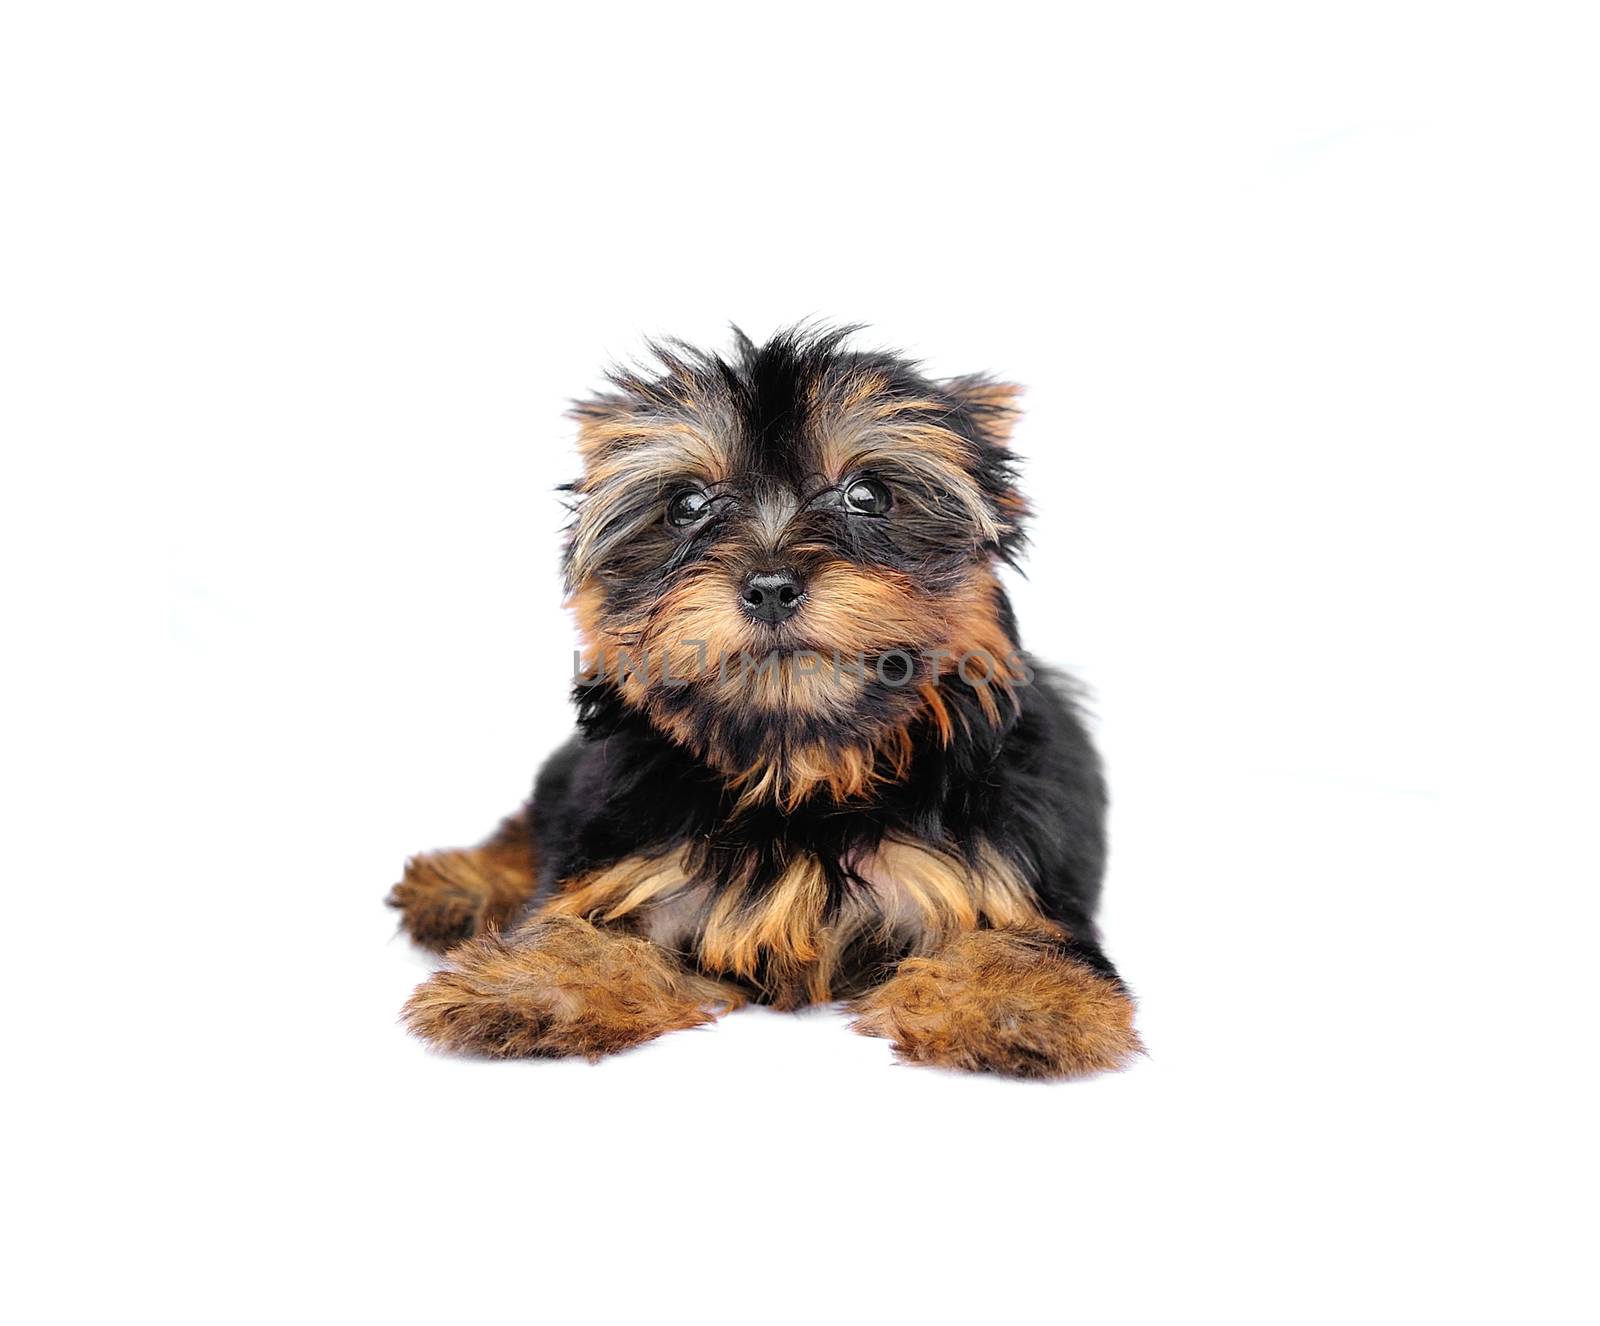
(991, 412)
(993, 407)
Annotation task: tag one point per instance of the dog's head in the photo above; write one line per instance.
(785, 557)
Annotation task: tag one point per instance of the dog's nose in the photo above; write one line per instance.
(772, 596)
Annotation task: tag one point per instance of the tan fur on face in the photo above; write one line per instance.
(661, 431)
(698, 634)
(860, 428)
(445, 897)
(560, 986)
(626, 449)
(1003, 1001)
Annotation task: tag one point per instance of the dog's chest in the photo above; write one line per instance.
(793, 938)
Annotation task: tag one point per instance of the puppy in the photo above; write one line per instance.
(812, 761)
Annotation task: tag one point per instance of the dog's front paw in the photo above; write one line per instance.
(1003, 1001)
(559, 986)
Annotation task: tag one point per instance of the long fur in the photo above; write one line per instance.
(793, 811)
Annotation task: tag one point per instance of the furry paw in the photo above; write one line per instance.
(559, 986)
(446, 897)
(1003, 1001)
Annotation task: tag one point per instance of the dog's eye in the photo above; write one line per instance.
(688, 508)
(868, 496)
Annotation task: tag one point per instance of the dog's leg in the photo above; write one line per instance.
(560, 986)
(445, 897)
(1023, 1002)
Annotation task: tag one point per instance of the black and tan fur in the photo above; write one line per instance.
(878, 798)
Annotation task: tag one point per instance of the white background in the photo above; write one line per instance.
(1305, 300)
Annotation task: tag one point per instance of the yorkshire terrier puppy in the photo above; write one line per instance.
(813, 762)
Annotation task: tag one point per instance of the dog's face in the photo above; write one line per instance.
(782, 557)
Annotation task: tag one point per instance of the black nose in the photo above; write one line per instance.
(772, 596)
